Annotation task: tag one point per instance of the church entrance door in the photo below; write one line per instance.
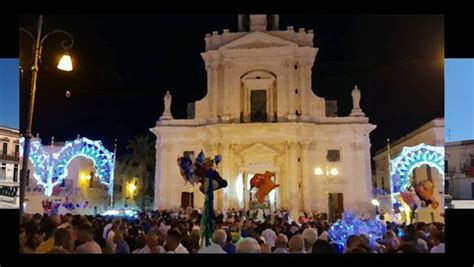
(336, 206)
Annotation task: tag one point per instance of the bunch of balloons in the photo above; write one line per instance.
(196, 171)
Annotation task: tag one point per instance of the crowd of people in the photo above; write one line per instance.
(178, 231)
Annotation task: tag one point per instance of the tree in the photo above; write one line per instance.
(140, 162)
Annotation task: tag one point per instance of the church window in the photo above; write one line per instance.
(333, 155)
(296, 91)
(296, 67)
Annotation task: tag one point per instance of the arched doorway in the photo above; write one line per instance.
(51, 168)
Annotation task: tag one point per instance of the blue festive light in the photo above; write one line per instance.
(51, 169)
(410, 158)
(351, 224)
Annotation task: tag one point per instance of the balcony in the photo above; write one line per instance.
(14, 157)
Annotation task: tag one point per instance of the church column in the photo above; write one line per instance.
(306, 175)
(278, 180)
(210, 85)
(294, 192)
(215, 85)
(290, 64)
(226, 97)
(225, 171)
(303, 90)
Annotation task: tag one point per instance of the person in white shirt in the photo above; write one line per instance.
(108, 227)
(270, 236)
(247, 245)
(173, 243)
(152, 245)
(85, 235)
(110, 236)
(219, 239)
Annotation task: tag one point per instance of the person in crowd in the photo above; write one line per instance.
(296, 244)
(47, 228)
(269, 235)
(33, 240)
(110, 233)
(173, 242)
(322, 247)
(352, 242)
(310, 235)
(281, 244)
(436, 242)
(85, 236)
(219, 240)
(151, 244)
(421, 243)
(121, 246)
(247, 245)
(63, 244)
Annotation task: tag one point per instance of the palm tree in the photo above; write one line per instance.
(141, 162)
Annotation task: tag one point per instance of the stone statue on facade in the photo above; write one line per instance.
(356, 110)
(167, 112)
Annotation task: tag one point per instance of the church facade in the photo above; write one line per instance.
(261, 114)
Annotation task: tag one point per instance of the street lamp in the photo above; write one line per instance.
(64, 64)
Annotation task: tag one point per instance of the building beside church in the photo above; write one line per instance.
(9, 167)
(261, 114)
(460, 173)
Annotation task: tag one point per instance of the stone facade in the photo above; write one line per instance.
(9, 167)
(261, 113)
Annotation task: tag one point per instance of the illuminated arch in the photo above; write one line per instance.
(51, 169)
(413, 157)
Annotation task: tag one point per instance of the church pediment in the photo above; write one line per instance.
(259, 150)
(257, 40)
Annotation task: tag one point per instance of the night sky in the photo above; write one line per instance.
(125, 64)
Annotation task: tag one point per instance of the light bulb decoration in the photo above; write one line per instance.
(351, 224)
(51, 168)
(409, 159)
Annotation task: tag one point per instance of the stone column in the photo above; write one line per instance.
(246, 193)
(215, 85)
(228, 92)
(210, 87)
(304, 91)
(280, 181)
(290, 64)
(306, 176)
(294, 192)
(225, 170)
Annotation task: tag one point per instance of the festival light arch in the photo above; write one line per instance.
(51, 168)
(410, 158)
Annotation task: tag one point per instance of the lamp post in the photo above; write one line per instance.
(64, 64)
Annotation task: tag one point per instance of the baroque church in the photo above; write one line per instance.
(261, 114)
